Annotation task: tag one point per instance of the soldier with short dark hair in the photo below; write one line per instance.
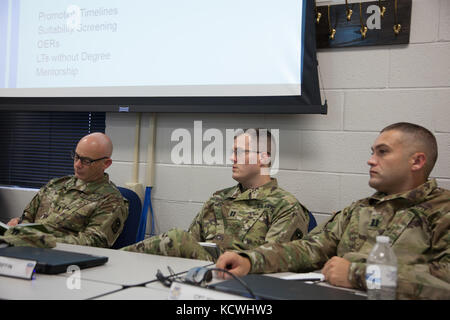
(85, 209)
(408, 208)
(254, 212)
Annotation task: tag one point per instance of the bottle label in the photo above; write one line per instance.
(380, 275)
(389, 276)
(373, 277)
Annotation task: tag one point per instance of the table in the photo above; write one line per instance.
(123, 269)
(137, 293)
(129, 268)
(126, 275)
(48, 287)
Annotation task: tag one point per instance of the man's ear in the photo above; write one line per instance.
(107, 163)
(418, 161)
(264, 158)
(264, 163)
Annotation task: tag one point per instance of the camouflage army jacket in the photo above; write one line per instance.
(91, 214)
(417, 223)
(236, 219)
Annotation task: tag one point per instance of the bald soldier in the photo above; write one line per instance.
(253, 212)
(85, 208)
(407, 207)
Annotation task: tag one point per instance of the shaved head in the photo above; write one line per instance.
(98, 144)
(417, 139)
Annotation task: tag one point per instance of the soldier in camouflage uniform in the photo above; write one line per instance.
(254, 212)
(413, 212)
(85, 209)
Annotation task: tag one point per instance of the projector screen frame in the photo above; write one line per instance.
(309, 102)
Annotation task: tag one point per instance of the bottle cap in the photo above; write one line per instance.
(382, 239)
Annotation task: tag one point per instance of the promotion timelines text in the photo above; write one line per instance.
(71, 21)
(91, 49)
(50, 16)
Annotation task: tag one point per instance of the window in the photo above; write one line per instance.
(35, 146)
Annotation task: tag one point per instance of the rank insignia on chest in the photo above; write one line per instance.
(375, 223)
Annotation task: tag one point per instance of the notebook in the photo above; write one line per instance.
(51, 261)
(271, 288)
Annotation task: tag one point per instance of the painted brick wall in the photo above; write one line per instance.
(322, 158)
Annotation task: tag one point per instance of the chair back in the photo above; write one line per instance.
(130, 229)
(312, 222)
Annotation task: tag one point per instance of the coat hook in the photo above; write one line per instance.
(348, 11)
(364, 28)
(332, 31)
(397, 26)
(382, 9)
(318, 14)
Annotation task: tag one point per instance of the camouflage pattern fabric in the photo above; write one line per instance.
(175, 243)
(417, 223)
(75, 212)
(29, 237)
(234, 219)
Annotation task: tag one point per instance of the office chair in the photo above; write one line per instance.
(130, 229)
(312, 222)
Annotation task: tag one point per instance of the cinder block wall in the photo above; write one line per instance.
(322, 158)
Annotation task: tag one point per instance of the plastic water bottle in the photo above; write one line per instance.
(381, 271)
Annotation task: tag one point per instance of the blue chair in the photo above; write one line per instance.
(130, 229)
(312, 222)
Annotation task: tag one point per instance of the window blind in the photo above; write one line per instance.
(35, 146)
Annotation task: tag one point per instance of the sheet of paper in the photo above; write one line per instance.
(311, 276)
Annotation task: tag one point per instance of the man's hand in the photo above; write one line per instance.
(234, 263)
(336, 272)
(13, 222)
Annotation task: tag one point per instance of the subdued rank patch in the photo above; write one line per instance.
(298, 234)
(116, 225)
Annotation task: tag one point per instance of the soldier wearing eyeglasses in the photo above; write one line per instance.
(253, 212)
(85, 208)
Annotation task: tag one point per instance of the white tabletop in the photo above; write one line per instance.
(129, 268)
(49, 287)
(137, 293)
(158, 286)
(106, 281)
